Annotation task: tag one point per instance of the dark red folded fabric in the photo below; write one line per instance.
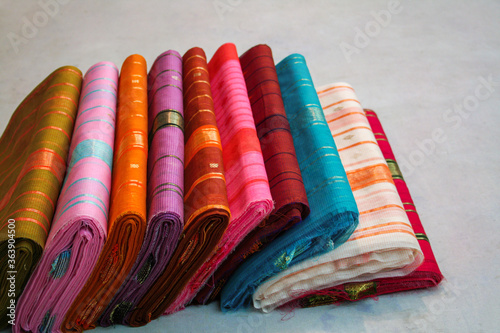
(427, 275)
(283, 172)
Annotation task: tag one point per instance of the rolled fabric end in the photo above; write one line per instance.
(59, 276)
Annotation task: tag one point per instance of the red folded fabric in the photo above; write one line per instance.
(427, 275)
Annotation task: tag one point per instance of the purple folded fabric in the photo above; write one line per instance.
(80, 224)
(165, 186)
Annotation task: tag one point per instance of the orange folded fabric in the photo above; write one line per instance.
(127, 222)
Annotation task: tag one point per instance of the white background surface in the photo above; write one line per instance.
(417, 71)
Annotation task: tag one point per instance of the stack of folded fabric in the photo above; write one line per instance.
(33, 154)
(247, 184)
(165, 186)
(425, 276)
(128, 197)
(205, 201)
(127, 218)
(334, 214)
(79, 228)
(383, 244)
(283, 172)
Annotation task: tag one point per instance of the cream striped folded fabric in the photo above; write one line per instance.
(384, 244)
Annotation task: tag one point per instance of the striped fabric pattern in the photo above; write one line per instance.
(334, 214)
(80, 224)
(127, 217)
(428, 274)
(248, 190)
(33, 154)
(282, 167)
(165, 187)
(205, 200)
(425, 276)
(383, 244)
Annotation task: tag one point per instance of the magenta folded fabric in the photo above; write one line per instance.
(165, 186)
(80, 224)
(248, 189)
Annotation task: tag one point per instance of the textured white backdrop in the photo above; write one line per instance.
(419, 69)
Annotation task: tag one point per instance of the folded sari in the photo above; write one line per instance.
(425, 276)
(206, 205)
(79, 227)
(283, 172)
(248, 191)
(165, 186)
(127, 223)
(383, 244)
(33, 154)
(334, 214)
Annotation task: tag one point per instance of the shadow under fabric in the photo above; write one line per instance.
(334, 214)
(127, 224)
(165, 187)
(282, 167)
(79, 228)
(425, 276)
(383, 244)
(33, 154)
(206, 204)
(248, 190)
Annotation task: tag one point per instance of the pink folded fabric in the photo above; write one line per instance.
(80, 224)
(248, 189)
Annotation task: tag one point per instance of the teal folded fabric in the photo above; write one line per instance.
(334, 214)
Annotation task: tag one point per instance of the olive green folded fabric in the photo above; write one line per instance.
(33, 152)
